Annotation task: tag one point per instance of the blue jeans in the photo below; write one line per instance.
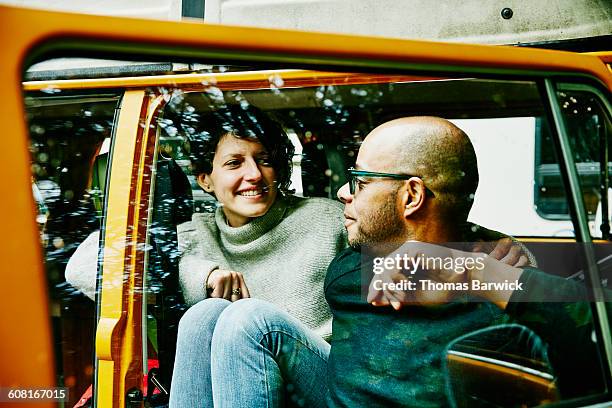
(247, 354)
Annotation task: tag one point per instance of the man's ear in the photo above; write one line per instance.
(413, 196)
(205, 182)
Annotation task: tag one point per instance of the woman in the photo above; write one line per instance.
(261, 242)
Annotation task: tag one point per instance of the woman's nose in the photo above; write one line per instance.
(252, 171)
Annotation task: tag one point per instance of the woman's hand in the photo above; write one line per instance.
(506, 251)
(226, 284)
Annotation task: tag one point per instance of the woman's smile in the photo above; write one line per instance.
(253, 193)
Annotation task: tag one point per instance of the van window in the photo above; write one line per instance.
(589, 132)
(326, 124)
(69, 141)
(326, 116)
(326, 121)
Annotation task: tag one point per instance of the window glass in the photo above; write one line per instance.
(326, 116)
(69, 140)
(326, 124)
(326, 119)
(589, 131)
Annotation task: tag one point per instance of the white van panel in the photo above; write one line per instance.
(472, 21)
(153, 9)
(505, 149)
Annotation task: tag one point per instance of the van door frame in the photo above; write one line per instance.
(49, 34)
(569, 172)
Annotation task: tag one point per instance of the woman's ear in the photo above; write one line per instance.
(205, 182)
(413, 196)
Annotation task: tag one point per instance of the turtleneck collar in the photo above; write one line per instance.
(253, 229)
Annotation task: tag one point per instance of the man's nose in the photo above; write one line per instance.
(344, 194)
(252, 171)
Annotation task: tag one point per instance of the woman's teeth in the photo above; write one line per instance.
(250, 193)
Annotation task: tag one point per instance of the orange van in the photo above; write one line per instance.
(106, 152)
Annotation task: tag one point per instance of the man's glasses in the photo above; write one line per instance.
(354, 174)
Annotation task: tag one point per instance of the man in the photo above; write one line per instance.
(415, 180)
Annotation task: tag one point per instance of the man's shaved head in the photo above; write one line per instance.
(437, 151)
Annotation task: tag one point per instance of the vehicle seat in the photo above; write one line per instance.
(173, 205)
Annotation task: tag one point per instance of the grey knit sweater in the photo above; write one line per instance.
(283, 255)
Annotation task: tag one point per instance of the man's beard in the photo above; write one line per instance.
(381, 225)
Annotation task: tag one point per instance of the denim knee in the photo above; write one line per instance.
(202, 317)
(252, 317)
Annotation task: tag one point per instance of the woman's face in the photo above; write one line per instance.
(242, 179)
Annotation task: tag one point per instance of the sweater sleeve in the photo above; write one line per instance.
(193, 272)
(82, 266)
(194, 268)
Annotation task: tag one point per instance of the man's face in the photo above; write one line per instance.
(373, 214)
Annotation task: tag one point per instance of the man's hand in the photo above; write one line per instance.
(386, 296)
(500, 265)
(226, 284)
(380, 294)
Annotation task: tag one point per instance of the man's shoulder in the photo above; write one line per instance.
(348, 258)
(347, 261)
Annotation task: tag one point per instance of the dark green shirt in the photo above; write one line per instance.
(381, 357)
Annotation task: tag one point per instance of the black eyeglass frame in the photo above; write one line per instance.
(354, 173)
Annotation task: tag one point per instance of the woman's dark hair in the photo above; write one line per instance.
(242, 121)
